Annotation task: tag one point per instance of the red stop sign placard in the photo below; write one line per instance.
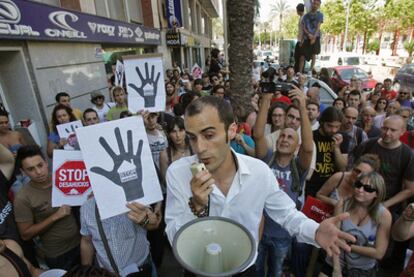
(72, 178)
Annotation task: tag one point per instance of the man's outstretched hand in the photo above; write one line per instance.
(331, 238)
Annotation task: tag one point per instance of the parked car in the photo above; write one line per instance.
(327, 95)
(341, 77)
(337, 59)
(263, 55)
(405, 76)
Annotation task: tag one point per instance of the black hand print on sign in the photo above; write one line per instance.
(127, 170)
(71, 136)
(73, 128)
(149, 86)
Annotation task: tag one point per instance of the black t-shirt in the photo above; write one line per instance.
(214, 66)
(396, 164)
(325, 165)
(8, 229)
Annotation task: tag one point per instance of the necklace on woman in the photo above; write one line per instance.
(362, 220)
(181, 153)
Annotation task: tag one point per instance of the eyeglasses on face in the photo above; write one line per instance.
(367, 188)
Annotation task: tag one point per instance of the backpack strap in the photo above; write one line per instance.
(105, 241)
(296, 187)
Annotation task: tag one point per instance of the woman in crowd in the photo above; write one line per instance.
(375, 95)
(61, 114)
(339, 185)
(275, 117)
(11, 139)
(178, 144)
(324, 77)
(339, 103)
(369, 222)
(171, 97)
(381, 106)
(368, 114)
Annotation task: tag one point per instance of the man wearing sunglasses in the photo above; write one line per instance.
(404, 97)
(397, 163)
(99, 105)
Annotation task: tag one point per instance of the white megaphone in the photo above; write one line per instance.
(214, 247)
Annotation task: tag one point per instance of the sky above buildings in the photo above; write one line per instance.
(265, 7)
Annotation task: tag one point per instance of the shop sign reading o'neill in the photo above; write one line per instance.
(72, 178)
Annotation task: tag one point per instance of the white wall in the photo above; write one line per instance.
(70, 67)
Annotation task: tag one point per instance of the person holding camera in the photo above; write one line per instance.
(290, 170)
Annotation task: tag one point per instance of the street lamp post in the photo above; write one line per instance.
(348, 7)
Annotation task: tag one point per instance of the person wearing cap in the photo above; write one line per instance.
(99, 105)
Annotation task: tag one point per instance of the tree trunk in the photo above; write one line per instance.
(379, 40)
(240, 19)
(395, 42)
(342, 41)
(364, 44)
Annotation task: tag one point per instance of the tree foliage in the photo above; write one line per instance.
(409, 47)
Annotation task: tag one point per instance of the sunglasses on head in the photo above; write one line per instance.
(367, 188)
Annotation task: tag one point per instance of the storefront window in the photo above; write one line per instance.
(135, 10)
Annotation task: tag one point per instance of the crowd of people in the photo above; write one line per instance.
(264, 161)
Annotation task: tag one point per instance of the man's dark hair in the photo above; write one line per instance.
(124, 114)
(300, 8)
(316, 85)
(198, 82)
(215, 52)
(89, 110)
(224, 109)
(292, 107)
(216, 88)
(190, 78)
(313, 103)
(331, 114)
(60, 95)
(388, 80)
(186, 99)
(339, 99)
(27, 151)
(4, 113)
(212, 75)
(355, 92)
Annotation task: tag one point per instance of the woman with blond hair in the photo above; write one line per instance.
(369, 222)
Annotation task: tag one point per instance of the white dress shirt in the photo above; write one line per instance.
(254, 189)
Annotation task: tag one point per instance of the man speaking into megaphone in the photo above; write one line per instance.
(235, 186)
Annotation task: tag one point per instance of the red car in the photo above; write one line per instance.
(341, 77)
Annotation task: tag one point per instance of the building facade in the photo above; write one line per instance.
(49, 46)
(188, 31)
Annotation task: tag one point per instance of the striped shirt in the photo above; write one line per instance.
(127, 240)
